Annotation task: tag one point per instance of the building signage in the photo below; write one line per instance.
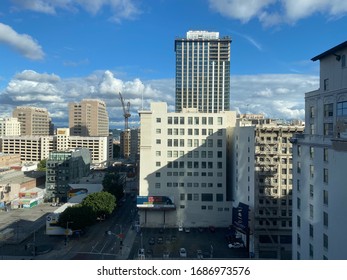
(155, 202)
(240, 217)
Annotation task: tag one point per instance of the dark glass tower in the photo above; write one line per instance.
(203, 72)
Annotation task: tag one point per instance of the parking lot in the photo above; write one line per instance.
(166, 244)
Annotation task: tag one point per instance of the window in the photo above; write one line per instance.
(219, 120)
(158, 141)
(169, 120)
(328, 129)
(298, 221)
(158, 120)
(158, 153)
(311, 191)
(311, 152)
(325, 154)
(311, 251)
(328, 110)
(181, 120)
(298, 203)
(311, 230)
(325, 175)
(325, 241)
(210, 120)
(311, 112)
(298, 239)
(157, 174)
(325, 197)
(311, 211)
(326, 84)
(325, 219)
(311, 171)
(312, 129)
(341, 109)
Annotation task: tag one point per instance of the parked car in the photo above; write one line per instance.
(160, 240)
(141, 253)
(151, 241)
(183, 253)
(187, 229)
(180, 228)
(166, 255)
(199, 255)
(236, 245)
(149, 253)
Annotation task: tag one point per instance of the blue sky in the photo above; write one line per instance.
(56, 51)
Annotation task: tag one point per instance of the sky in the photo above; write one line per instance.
(53, 52)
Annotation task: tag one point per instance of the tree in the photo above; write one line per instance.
(102, 203)
(41, 166)
(114, 184)
(77, 217)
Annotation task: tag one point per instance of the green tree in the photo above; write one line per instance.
(77, 217)
(41, 166)
(102, 203)
(114, 184)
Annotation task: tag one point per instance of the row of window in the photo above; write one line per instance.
(193, 120)
(190, 154)
(311, 248)
(201, 197)
(328, 109)
(190, 131)
(190, 185)
(190, 174)
(194, 164)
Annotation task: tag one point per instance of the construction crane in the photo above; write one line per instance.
(126, 111)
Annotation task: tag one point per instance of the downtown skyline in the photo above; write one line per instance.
(56, 52)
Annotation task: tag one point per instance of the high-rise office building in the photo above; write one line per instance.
(319, 160)
(34, 121)
(203, 72)
(88, 118)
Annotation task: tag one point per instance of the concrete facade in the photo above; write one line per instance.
(184, 160)
(319, 160)
(9, 127)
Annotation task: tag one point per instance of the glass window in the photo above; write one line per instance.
(328, 110)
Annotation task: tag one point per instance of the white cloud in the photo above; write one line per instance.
(277, 96)
(22, 43)
(271, 12)
(120, 9)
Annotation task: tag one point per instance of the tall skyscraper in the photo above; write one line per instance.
(88, 118)
(203, 72)
(34, 121)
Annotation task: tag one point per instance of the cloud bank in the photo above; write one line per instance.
(276, 96)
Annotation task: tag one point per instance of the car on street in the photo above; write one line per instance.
(180, 228)
(199, 254)
(183, 253)
(187, 229)
(160, 240)
(141, 253)
(236, 245)
(149, 253)
(166, 255)
(151, 241)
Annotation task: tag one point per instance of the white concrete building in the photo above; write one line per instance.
(319, 163)
(36, 148)
(184, 168)
(9, 127)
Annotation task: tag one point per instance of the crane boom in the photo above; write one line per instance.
(126, 111)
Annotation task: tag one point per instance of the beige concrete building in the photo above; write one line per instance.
(266, 183)
(9, 127)
(88, 118)
(8, 160)
(34, 121)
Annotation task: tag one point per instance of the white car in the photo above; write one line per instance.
(180, 228)
(183, 253)
(141, 254)
(235, 245)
